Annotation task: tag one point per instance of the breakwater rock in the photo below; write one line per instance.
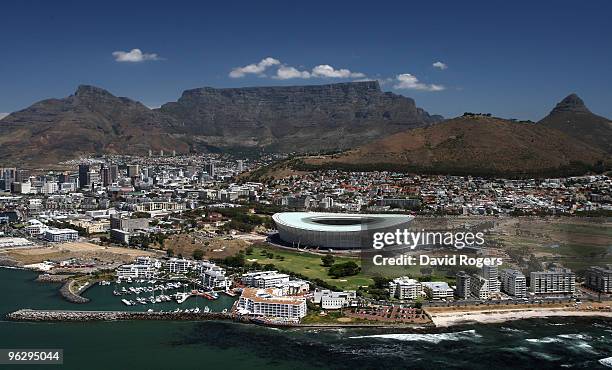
(73, 296)
(62, 315)
(52, 278)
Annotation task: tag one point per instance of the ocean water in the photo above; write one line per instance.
(534, 344)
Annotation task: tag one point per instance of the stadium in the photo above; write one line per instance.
(333, 230)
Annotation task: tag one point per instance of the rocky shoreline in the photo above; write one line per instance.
(73, 297)
(50, 278)
(67, 316)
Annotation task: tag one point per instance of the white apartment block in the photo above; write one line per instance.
(35, 228)
(264, 302)
(437, 289)
(61, 235)
(136, 271)
(178, 266)
(514, 283)
(490, 273)
(215, 279)
(264, 279)
(405, 288)
(556, 281)
(334, 300)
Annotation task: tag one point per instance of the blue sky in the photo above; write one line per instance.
(513, 59)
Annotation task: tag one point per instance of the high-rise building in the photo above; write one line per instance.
(240, 165)
(479, 287)
(22, 175)
(105, 175)
(599, 278)
(555, 281)
(83, 176)
(463, 285)
(114, 172)
(8, 176)
(514, 283)
(210, 169)
(490, 273)
(133, 170)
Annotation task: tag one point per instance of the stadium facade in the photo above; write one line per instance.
(341, 231)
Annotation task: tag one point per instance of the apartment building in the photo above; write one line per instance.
(556, 281)
(335, 300)
(405, 288)
(599, 278)
(437, 290)
(264, 279)
(513, 283)
(264, 302)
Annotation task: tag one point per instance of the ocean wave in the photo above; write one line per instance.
(545, 356)
(512, 330)
(606, 361)
(575, 342)
(575, 336)
(430, 338)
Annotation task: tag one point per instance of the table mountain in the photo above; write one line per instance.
(573, 118)
(295, 118)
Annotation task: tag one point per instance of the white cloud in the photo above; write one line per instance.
(440, 65)
(134, 56)
(255, 68)
(2, 115)
(410, 82)
(288, 72)
(325, 70)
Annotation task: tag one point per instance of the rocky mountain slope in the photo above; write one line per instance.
(90, 121)
(291, 119)
(473, 144)
(295, 118)
(572, 117)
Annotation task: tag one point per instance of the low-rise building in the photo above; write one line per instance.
(136, 271)
(405, 288)
(178, 266)
(335, 300)
(437, 290)
(264, 279)
(35, 228)
(61, 235)
(215, 279)
(15, 243)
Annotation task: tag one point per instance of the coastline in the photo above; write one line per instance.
(444, 320)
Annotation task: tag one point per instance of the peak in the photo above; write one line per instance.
(571, 103)
(86, 90)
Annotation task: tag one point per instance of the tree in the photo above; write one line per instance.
(344, 269)
(198, 254)
(328, 260)
(170, 252)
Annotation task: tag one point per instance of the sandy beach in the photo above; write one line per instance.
(446, 319)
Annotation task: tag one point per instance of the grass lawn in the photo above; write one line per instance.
(309, 265)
